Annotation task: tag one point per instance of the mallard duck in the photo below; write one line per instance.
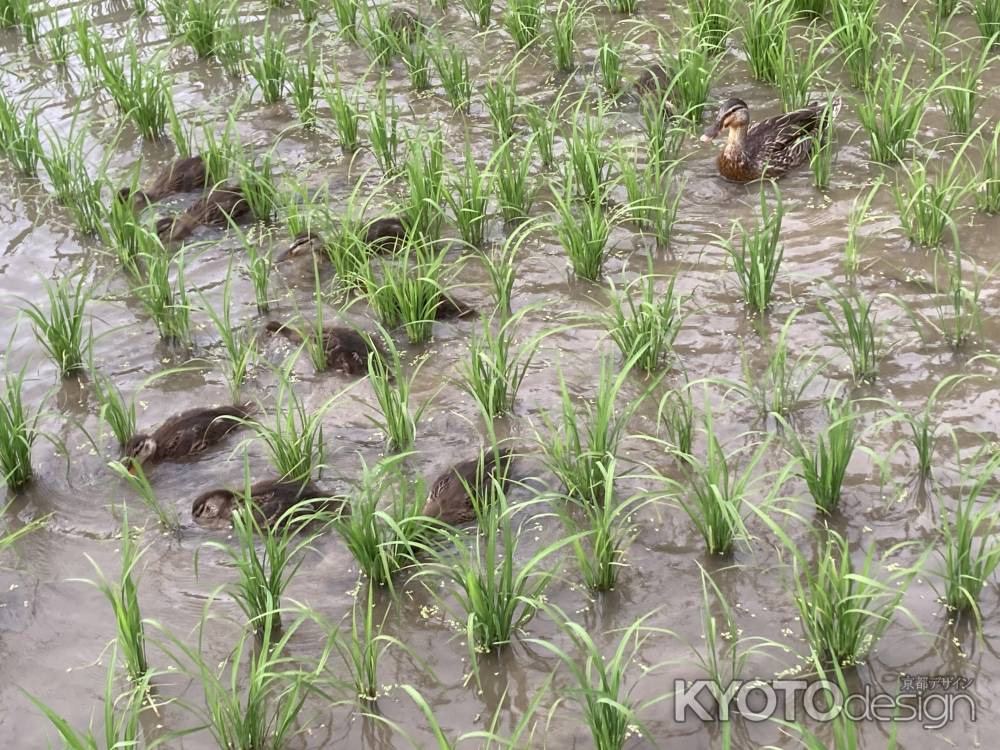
(768, 148)
(180, 176)
(271, 498)
(184, 434)
(346, 350)
(214, 208)
(449, 499)
(386, 234)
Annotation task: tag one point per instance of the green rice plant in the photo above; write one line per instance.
(165, 514)
(543, 123)
(131, 238)
(304, 84)
(583, 234)
(510, 178)
(602, 532)
(499, 265)
(859, 214)
(759, 257)
(415, 50)
(393, 390)
(855, 31)
(385, 540)
(240, 345)
(61, 332)
(18, 14)
(523, 21)
(625, 7)
(663, 136)
(18, 432)
(970, 552)
(257, 182)
(815, 8)
(468, 196)
(346, 13)
(139, 88)
(203, 25)
(987, 16)
(116, 412)
(644, 326)
(479, 11)
(303, 210)
(958, 94)
(232, 49)
(20, 137)
(676, 415)
(66, 166)
(692, 68)
(87, 39)
(269, 66)
(856, 333)
(582, 447)
(452, 66)
(344, 111)
(765, 35)
(294, 440)
(602, 685)
(823, 146)
(654, 193)
(123, 596)
(10, 536)
(424, 170)
(797, 72)
(381, 40)
(172, 12)
(496, 366)
(383, 126)
(987, 180)
(500, 96)
(309, 10)
(589, 160)
(564, 22)
(349, 252)
(610, 63)
(711, 23)
(57, 44)
(496, 587)
(219, 151)
(166, 302)
(891, 110)
(927, 204)
(823, 466)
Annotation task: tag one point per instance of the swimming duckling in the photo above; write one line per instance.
(386, 234)
(405, 22)
(180, 176)
(271, 499)
(346, 350)
(183, 435)
(449, 308)
(449, 499)
(215, 208)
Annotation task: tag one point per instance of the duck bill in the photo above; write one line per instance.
(713, 132)
(133, 468)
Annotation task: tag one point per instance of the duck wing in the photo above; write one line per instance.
(779, 140)
(195, 430)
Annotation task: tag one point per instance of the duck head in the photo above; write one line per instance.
(214, 507)
(733, 113)
(139, 449)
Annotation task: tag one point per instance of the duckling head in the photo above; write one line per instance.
(213, 507)
(733, 113)
(139, 449)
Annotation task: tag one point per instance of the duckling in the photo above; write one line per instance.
(180, 176)
(271, 498)
(449, 499)
(449, 308)
(214, 208)
(346, 349)
(405, 22)
(182, 435)
(386, 234)
(770, 147)
(654, 80)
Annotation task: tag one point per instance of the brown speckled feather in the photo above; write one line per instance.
(449, 500)
(193, 431)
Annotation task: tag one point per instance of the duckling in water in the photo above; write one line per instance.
(383, 235)
(449, 500)
(346, 350)
(183, 435)
(405, 22)
(271, 499)
(180, 176)
(215, 208)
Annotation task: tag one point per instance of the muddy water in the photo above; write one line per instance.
(54, 630)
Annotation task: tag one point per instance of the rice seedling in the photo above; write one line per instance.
(269, 66)
(602, 685)
(523, 21)
(10, 536)
(970, 552)
(303, 210)
(563, 39)
(468, 196)
(510, 177)
(987, 180)
(711, 23)
(824, 142)
(765, 35)
(583, 237)
(173, 12)
(815, 8)
(166, 302)
(415, 51)
(20, 137)
(304, 84)
(645, 325)
(496, 589)
(625, 7)
(958, 305)
(383, 126)
(309, 10)
(958, 94)
(857, 217)
(393, 389)
(987, 16)
(381, 40)
(386, 540)
(66, 166)
(654, 194)
(61, 332)
(240, 345)
(203, 25)
(499, 265)
(927, 204)
(496, 366)
(18, 432)
(266, 557)
(855, 32)
(891, 110)
(664, 137)
(602, 532)
(799, 72)
(139, 88)
(164, 513)
(346, 118)
(57, 45)
(692, 68)
(349, 252)
(87, 39)
(130, 237)
(610, 63)
(424, 171)
(589, 160)
(480, 11)
(452, 66)
(294, 440)
(346, 13)
(219, 152)
(823, 466)
(123, 596)
(856, 333)
(232, 49)
(116, 412)
(543, 123)
(18, 14)
(759, 257)
(675, 414)
(581, 448)
(257, 183)
(500, 96)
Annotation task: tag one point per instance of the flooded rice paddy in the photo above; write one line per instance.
(55, 629)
